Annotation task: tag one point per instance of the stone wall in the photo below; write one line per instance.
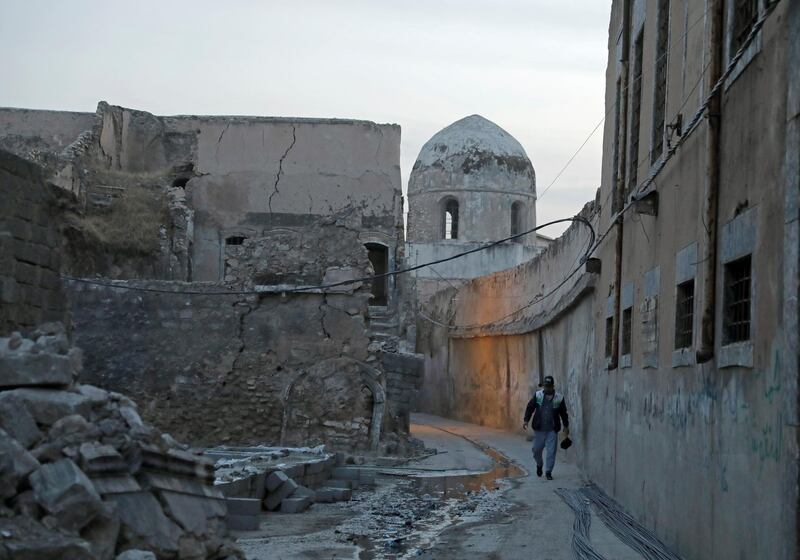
(29, 248)
(216, 369)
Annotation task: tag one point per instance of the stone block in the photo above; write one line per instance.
(274, 499)
(346, 473)
(115, 484)
(97, 458)
(348, 484)
(102, 532)
(315, 467)
(65, 492)
(295, 472)
(27, 366)
(295, 504)
(190, 511)
(15, 464)
(19, 424)
(303, 491)
(144, 524)
(329, 494)
(244, 506)
(48, 405)
(30, 540)
(242, 522)
(136, 555)
(275, 480)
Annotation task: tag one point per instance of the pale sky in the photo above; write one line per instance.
(535, 67)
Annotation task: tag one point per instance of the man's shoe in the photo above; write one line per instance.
(548, 475)
(538, 471)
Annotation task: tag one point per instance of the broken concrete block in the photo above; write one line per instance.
(27, 539)
(242, 522)
(302, 491)
(15, 464)
(131, 417)
(49, 405)
(19, 424)
(329, 494)
(136, 555)
(295, 505)
(97, 458)
(275, 480)
(65, 492)
(102, 532)
(295, 472)
(190, 511)
(244, 506)
(26, 366)
(96, 395)
(115, 484)
(274, 499)
(144, 524)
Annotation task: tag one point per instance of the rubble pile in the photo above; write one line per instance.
(82, 477)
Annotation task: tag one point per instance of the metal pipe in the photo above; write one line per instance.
(619, 185)
(705, 351)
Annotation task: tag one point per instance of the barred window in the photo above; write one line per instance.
(627, 330)
(609, 336)
(636, 109)
(745, 15)
(660, 91)
(684, 315)
(737, 300)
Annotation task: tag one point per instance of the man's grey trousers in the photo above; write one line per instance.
(542, 440)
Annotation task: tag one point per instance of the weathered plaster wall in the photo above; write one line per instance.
(35, 135)
(30, 248)
(681, 445)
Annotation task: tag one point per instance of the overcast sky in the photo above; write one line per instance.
(535, 67)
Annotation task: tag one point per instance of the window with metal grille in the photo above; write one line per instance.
(450, 219)
(609, 336)
(737, 300)
(745, 15)
(660, 87)
(636, 109)
(684, 315)
(615, 159)
(627, 330)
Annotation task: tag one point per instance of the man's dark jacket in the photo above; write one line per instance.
(559, 411)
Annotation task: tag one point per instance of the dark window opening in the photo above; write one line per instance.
(636, 110)
(379, 257)
(684, 315)
(517, 219)
(737, 300)
(627, 330)
(235, 240)
(745, 15)
(660, 91)
(181, 182)
(450, 220)
(609, 336)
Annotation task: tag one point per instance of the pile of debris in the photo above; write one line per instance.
(82, 477)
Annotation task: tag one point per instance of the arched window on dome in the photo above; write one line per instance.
(517, 219)
(449, 218)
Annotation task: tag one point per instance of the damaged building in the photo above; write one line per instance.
(194, 249)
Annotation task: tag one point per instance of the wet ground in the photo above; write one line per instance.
(473, 499)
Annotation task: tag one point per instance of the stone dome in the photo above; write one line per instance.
(473, 153)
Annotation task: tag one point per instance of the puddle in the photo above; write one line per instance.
(409, 518)
(460, 486)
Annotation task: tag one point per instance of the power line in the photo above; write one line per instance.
(322, 287)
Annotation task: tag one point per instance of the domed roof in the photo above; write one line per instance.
(473, 152)
(469, 134)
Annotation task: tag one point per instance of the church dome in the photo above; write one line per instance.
(473, 153)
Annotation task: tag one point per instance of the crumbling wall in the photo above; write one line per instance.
(29, 248)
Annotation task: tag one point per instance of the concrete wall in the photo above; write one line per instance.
(32, 134)
(696, 452)
(30, 247)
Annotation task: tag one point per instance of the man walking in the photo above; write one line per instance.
(549, 410)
